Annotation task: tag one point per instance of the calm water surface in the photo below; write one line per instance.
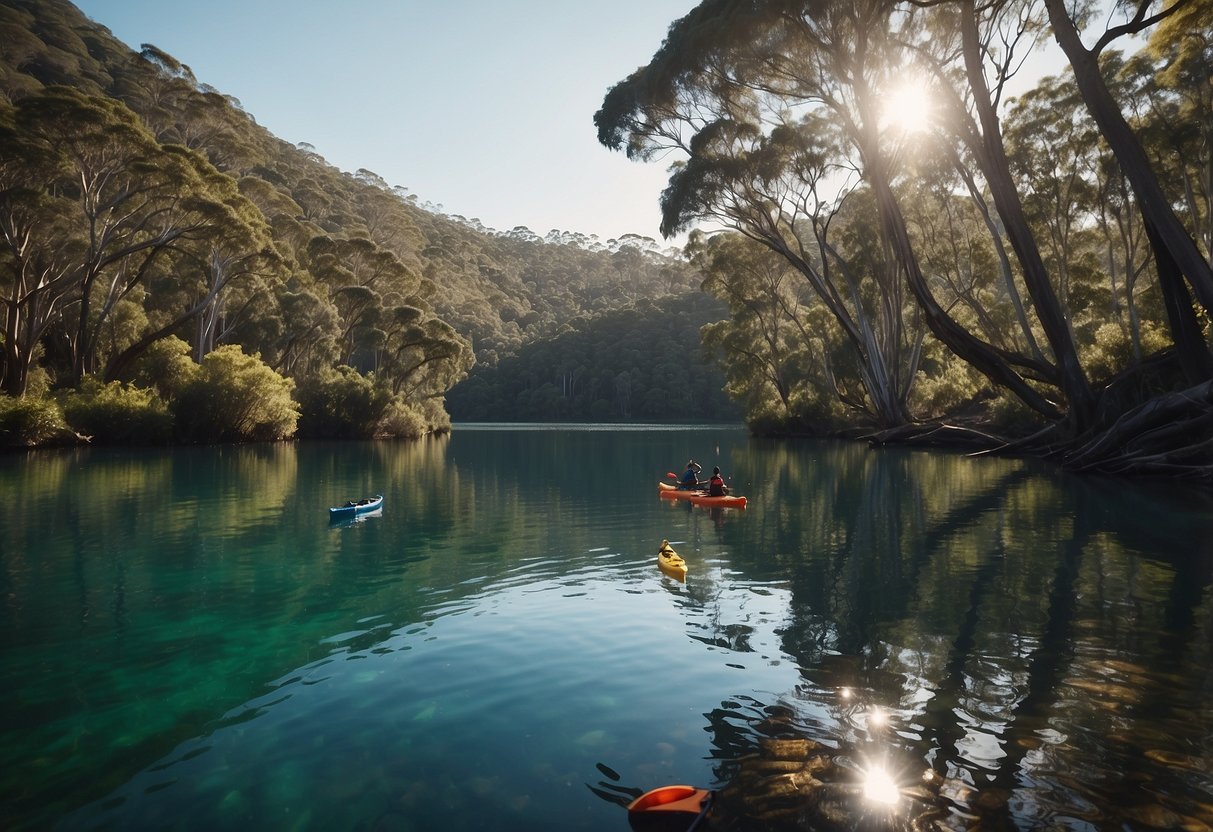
(185, 642)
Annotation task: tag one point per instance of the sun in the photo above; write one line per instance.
(907, 107)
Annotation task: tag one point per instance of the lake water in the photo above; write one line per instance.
(186, 642)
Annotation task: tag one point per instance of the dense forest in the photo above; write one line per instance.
(639, 364)
(1028, 273)
(171, 271)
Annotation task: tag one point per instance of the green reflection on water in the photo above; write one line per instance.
(191, 643)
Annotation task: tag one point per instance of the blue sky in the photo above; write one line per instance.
(485, 108)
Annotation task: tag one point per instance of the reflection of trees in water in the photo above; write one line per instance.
(1000, 616)
(177, 554)
(778, 778)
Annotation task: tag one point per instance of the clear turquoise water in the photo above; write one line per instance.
(185, 642)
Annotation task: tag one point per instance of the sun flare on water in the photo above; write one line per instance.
(880, 788)
(907, 107)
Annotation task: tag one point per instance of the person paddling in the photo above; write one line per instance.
(690, 477)
(716, 486)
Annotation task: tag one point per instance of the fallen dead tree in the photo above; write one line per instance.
(1168, 434)
(1171, 434)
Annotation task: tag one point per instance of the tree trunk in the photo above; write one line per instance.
(1191, 349)
(997, 170)
(1170, 233)
(978, 353)
(1004, 261)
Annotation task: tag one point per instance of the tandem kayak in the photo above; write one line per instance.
(670, 562)
(356, 508)
(699, 498)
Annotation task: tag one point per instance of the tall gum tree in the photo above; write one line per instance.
(971, 51)
(774, 339)
(831, 55)
(37, 255)
(1179, 262)
(1006, 199)
(761, 169)
(207, 270)
(129, 200)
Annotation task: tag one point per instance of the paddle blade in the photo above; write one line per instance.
(671, 475)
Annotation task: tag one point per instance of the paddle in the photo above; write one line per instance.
(698, 485)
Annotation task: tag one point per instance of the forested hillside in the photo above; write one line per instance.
(161, 248)
(643, 364)
(924, 251)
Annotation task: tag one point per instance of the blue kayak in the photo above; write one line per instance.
(356, 508)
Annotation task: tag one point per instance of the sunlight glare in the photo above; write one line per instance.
(879, 787)
(908, 107)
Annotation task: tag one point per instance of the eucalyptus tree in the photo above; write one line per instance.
(1053, 150)
(777, 343)
(303, 339)
(90, 174)
(952, 238)
(1172, 110)
(38, 255)
(743, 93)
(1074, 189)
(1183, 272)
(730, 63)
(386, 219)
(363, 280)
(972, 52)
(207, 276)
(153, 83)
(1127, 255)
(427, 357)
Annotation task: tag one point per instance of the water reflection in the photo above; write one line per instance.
(1012, 647)
(991, 610)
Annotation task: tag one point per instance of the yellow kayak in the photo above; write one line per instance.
(670, 562)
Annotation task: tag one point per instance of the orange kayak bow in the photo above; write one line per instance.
(671, 808)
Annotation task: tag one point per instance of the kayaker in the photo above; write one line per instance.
(716, 486)
(690, 477)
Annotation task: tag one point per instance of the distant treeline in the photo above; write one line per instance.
(641, 364)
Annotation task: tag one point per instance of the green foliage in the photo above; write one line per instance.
(118, 414)
(643, 364)
(948, 385)
(166, 367)
(1112, 348)
(1008, 416)
(341, 404)
(235, 398)
(27, 422)
(402, 421)
(38, 382)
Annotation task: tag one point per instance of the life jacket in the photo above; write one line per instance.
(716, 486)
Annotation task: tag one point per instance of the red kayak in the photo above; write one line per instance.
(699, 498)
(670, 808)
